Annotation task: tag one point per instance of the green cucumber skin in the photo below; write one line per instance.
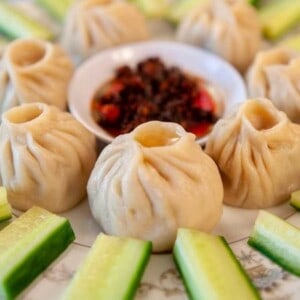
(295, 202)
(4, 223)
(37, 261)
(139, 274)
(191, 295)
(295, 196)
(5, 218)
(242, 270)
(5, 212)
(278, 240)
(278, 259)
(295, 205)
(5, 208)
(255, 3)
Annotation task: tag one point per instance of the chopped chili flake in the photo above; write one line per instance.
(153, 91)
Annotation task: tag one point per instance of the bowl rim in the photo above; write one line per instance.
(85, 66)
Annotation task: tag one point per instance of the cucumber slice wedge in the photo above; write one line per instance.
(14, 24)
(278, 17)
(5, 208)
(27, 246)
(295, 196)
(56, 8)
(112, 270)
(278, 240)
(209, 268)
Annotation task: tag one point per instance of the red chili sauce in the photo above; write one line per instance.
(153, 91)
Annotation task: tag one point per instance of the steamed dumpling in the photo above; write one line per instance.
(275, 74)
(149, 182)
(93, 25)
(229, 28)
(257, 150)
(46, 157)
(33, 70)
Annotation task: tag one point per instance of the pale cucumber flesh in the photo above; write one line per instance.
(278, 240)
(27, 246)
(209, 268)
(112, 269)
(5, 212)
(295, 196)
(278, 16)
(5, 208)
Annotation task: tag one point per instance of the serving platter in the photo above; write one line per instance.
(161, 280)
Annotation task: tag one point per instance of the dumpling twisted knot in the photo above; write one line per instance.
(148, 183)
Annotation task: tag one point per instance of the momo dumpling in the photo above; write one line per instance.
(93, 25)
(33, 70)
(148, 183)
(228, 28)
(46, 157)
(257, 150)
(275, 74)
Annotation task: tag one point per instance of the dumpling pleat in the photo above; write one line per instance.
(42, 162)
(257, 151)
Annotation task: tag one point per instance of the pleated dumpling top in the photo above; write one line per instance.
(148, 183)
(33, 70)
(93, 25)
(228, 28)
(275, 74)
(46, 157)
(257, 150)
